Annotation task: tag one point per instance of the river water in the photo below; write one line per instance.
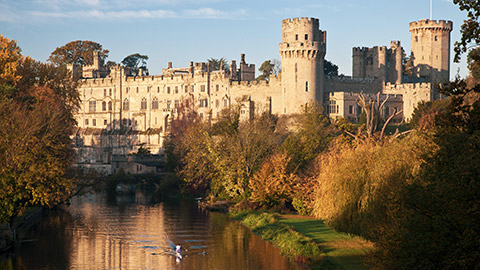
(128, 232)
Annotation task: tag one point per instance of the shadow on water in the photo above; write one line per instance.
(130, 232)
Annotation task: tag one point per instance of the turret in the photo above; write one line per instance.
(302, 51)
(431, 49)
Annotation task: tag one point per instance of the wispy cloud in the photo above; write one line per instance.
(205, 13)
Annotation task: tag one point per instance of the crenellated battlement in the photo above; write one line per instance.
(442, 25)
(301, 20)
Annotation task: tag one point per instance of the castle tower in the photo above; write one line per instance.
(302, 51)
(396, 68)
(431, 49)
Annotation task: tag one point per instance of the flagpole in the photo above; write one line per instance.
(431, 8)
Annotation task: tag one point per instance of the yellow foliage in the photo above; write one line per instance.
(273, 182)
(9, 60)
(355, 184)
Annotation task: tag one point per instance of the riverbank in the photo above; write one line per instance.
(308, 240)
(10, 234)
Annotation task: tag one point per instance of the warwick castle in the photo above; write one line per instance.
(120, 111)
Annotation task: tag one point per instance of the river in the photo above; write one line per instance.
(128, 232)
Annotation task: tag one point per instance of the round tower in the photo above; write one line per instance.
(302, 51)
(431, 49)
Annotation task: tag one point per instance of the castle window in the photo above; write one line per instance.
(105, 122)
(225, 103)
(176, 89)
(203, 102)
(186, 88)
(435, 38)
(92, 106)
(143, 104)
(217, 103)
(306, 36)
(94, 122)
(110, 92)
(137, 90)
(202, 88)
(104, 92)
(158, 89)
(193, 88)
(154, 103)
(110, 106)
(126, 105)
(350, 109)
(168, 90)
(104, 106)
(217, 87)
(296, 37)
(332, 106)
(306, 86)
(177, 103)
(86, 122)
(416, 38)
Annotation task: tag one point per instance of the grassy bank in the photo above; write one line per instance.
(307, 240)
(290, 242)
(339, 250)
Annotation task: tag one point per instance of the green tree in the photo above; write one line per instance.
(135, 61)
(313, 135)
(218, 64)
(79, 52)
(470, 29)
(473, 60)
(329, 68)
(268, 67)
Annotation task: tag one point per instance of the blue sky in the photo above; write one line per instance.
(181, 31)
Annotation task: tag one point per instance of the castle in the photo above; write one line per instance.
(121, 111)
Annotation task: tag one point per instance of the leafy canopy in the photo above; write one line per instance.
(79, 52)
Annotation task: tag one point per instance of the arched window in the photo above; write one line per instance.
(109, 106)
(104, 106)
(143, 105)
(126, 105)
(154, 103)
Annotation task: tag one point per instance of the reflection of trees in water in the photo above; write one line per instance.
(239, 243)
(49, 235)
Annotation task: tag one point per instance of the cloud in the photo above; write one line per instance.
(202, 13)
(211, 13)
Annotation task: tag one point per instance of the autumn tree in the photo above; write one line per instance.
(35, 146)
(79, 52)
(274, 183)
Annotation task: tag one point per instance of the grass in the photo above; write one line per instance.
(339, 250)
(290, 242)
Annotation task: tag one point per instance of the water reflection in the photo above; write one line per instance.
(130, 233)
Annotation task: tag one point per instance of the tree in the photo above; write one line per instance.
(473, 60)
(470, 29)
(408, 67)
(218, 64)
(78, 52)
(268, 67)
(329, 68)
(135, 61)
(314, 133)
(35, 145)
(10, 55)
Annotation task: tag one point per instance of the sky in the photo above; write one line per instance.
(181, 31)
